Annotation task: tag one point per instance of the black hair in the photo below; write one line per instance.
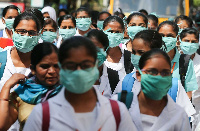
(27, 16)
(100, 36)
(51, 22)
(38, 14)
(76, 42)
(173, 24)
(83, 9)
(150, 54)
(151, 37)
(5, 10)
(186, 18)
(189, 31)
(117, 13)
(103, 12)
(66, 17)
(63, 10)
(113, 19)
(40, 51)
(153, 18)
(143, 11)
(137, 14)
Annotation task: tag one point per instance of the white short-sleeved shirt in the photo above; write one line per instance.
(63, 118)
(10, 69)
(182, 99)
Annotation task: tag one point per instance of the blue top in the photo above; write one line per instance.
(190, 78)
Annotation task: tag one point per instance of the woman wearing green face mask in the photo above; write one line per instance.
(67, 28)
(151, 107)
(83, 21)
(9, 14)
(145, 41)
(101, 42)
(118, 62)
(101, 17)
(49, 31)
(79, 106)
(169, 31)
(136, 22)
(189, 44)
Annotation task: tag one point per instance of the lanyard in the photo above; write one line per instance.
(173, 67)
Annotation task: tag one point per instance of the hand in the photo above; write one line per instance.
(15, 79)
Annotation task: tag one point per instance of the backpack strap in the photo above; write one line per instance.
(45, 116)
(183, 66)
(126, 98)
(116, 112)
(3, 60)
(127, 62)
(1, 33)
(174, 89)
(113, 78)
(128, 81)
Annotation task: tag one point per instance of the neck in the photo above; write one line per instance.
(149, 106)
(113, 51)
(81, 101)
(25, 58)
(192, 56)
(172, 53)
(129, 46)
(83, 32)
(9, 33)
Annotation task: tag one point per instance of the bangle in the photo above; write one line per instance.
(2, 99)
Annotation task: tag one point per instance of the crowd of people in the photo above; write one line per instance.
(76, 71)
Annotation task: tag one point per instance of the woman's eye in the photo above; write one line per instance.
(44, 66)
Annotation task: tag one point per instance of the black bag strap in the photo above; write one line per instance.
(183, 66)
(126, 98)
(127, 62)
(113, 78)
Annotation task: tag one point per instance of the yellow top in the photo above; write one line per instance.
(24, 109)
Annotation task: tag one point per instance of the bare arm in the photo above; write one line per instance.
(8, 113)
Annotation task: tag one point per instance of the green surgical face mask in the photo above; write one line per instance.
(170, 43)
(9, 23)
(133, 30)
(155, 87)
(83, 23)
(189, 48)
(135, 60)
(48, 36)
(101, 56)
(79, 81)
(100, 24)
(24, 43)
(114, 38)
(67, 33)
(124, 41)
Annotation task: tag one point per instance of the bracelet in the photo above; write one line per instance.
(2, 99)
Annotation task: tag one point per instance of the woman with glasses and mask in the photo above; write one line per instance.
(79, 106)
(151, 107)
(42, 85)
(144, 41)
(17, 58)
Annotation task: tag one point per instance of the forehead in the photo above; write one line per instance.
(167, 28)
(190, 37)
(11, 12)
(48, 26)
(82, 13)
(140, 44)
(137, 19)
(114, 25)
(78, 55)
(27, 24)
(103, 16)
(67, 22)
(158, 62)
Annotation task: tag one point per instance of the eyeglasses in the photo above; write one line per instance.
(155, 72)
(73, 66)
(23, 32)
